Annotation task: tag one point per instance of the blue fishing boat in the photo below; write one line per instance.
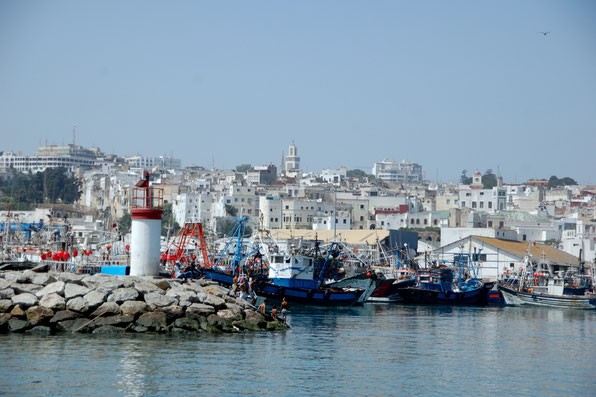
(448, 285)
(300, 279)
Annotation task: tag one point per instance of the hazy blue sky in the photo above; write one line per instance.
(451, 85)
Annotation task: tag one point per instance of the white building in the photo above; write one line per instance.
(330, 222)
(489, 200)
(146, 162)
(192, 207)
(70, 157)
(393, 171)
(494, 255)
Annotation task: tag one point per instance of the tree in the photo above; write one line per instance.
(464, 179)
(124, 224)
(52, 185)
(225, 227)
(231, 210)
(168, 221)
(556, 182)
(356, 173)
(244, 168)
(489, 179)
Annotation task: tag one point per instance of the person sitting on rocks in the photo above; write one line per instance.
(179, 274)
(274, 313)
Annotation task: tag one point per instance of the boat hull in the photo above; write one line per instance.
(518, 298)
(426, 296)
(311, 297)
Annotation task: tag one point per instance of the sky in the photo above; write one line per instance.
(451, 85)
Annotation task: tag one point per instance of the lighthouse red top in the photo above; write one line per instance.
(147, 202)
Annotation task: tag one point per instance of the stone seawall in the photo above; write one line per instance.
(46, 303)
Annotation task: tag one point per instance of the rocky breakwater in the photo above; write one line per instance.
(46, 303)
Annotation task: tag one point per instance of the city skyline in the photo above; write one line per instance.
(451, 87)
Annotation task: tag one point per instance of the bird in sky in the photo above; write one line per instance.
(544, 33)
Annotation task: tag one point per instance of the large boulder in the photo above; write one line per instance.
(154, 321)
(253, 316)
(123, 294)
(40, 330)
(38, 314)
(77, 324)
(145, 287)
(187, 323)
(64, 315)
(20, 288)
(107, 308)
(216, 290)
(230, 315)
(24, 300)
(172, 312)
(73, 290)
(17, 311)
(199, 309)
(16, 325)
(132, 308)
(78, 304)
(67, 277)
(215, 301)
(108, 329)
(5, 305)
(118, 320)
(7, 293)
(6, 283)
(95, 298)
(161, 284)
(41, 278)
(53, 301)
(156, 300)
(53, 288)
(18, 277)
(111, 285)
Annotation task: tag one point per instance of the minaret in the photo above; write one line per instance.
(292, 159)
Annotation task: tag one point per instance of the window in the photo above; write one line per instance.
(468, 194)
(345, 221)
(454, 201)
(448, 201)
(361, 206)
(490, 223)
(435, 222)
(500, 224)
(426, 221)
(473, 204)
(482, 193)
(482, 204)
(418, 221)
(463, 203)
(361, 218)
(490, 204)
(524, 237)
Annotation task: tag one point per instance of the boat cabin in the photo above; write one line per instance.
(295, 271)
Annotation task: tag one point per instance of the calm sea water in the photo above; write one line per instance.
(370, 350)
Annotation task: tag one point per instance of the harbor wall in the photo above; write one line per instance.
(48, 303)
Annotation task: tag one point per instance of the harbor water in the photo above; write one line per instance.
(370, 350)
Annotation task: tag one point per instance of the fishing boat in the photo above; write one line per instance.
(300, 279)
(537, 284)
(448, 285)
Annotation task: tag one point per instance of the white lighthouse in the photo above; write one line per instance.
(147, 209)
